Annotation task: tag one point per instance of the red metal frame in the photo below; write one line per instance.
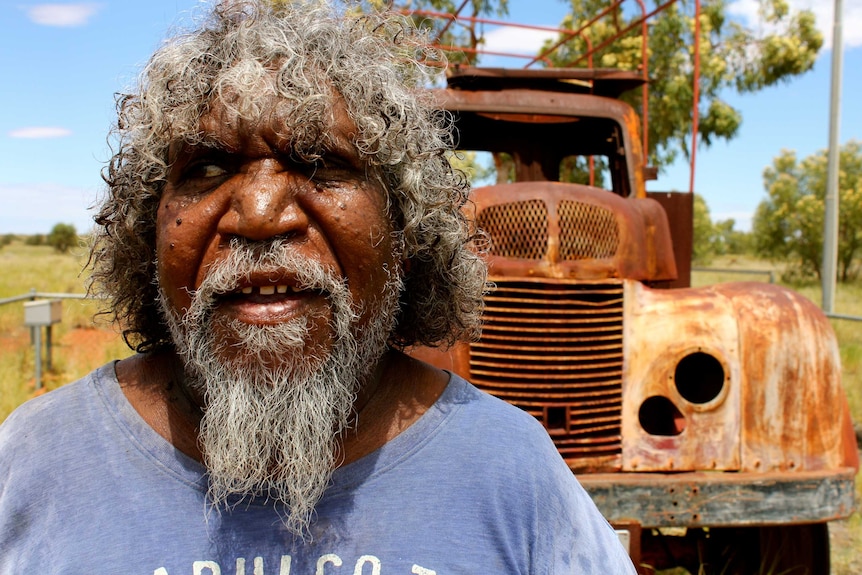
(695, 95)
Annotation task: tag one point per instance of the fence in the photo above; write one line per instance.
(770, 273)
(34, 295)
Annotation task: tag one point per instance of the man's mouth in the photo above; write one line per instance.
(269, 301)
(268, 290)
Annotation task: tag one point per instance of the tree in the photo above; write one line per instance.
(704, 233)
(464, 34)
(731, 57)
(62, 237)
(729, 240)
(788, 225)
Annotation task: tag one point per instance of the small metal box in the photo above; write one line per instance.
(42, 312)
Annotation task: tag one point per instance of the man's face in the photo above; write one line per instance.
(248, 186)
(280, 287)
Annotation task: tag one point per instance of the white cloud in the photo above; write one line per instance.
(516, 40)
(31, 208)
(63, 15)
(40, 132)
(851, 20)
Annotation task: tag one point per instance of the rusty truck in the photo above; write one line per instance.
(709, 424)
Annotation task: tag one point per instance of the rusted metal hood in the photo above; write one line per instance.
(573, 231)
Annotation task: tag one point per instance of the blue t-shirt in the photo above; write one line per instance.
(475, 486)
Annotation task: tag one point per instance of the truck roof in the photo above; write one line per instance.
(606, 82)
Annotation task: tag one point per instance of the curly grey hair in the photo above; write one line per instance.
(301, 51)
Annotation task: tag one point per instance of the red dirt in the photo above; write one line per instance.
(88, 339)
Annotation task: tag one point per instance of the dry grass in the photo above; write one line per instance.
(80, 343)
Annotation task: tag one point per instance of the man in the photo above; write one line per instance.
(281, 221)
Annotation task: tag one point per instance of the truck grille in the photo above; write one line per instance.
(587, 231)
(521, 230)
(555, 350)
(516, 229)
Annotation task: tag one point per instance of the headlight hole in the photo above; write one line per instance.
(699, 377)
(659, 416)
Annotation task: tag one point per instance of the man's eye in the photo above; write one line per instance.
(332, 171)
(204, 170)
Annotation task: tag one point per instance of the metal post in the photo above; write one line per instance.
(33, 329)
(695, 113)
(48, 362)
(830, 217)
(38, 353)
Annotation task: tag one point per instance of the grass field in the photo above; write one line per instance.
(81, 344)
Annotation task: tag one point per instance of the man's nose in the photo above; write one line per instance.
(266, 203)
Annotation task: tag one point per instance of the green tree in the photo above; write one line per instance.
(704, 233)
(715, 238)
(732, 56)
(729, 240)
(788, 225)
(62, 237)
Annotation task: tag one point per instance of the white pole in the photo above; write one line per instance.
(830, 220)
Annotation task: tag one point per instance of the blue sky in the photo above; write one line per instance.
(62, 63)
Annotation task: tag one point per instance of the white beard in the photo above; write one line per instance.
(275, 410)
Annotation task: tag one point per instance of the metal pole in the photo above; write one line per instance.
(695, 113)
(38, 353)
(48, 363)
(830, 217)
(33, 328)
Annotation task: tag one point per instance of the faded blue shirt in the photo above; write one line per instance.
(475, 486)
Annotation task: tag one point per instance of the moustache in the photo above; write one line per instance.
(268, 268)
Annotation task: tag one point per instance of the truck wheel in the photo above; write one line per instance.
(786, 549)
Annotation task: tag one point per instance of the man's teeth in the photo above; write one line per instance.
(269, 290)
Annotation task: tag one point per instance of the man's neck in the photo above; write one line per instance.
(406, 389)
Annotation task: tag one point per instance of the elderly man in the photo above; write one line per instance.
(281, 222)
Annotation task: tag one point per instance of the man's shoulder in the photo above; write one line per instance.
(504, 436)
(489, 414)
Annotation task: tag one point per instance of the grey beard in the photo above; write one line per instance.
(274, 412)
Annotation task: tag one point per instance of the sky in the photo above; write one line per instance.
(62, 63)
